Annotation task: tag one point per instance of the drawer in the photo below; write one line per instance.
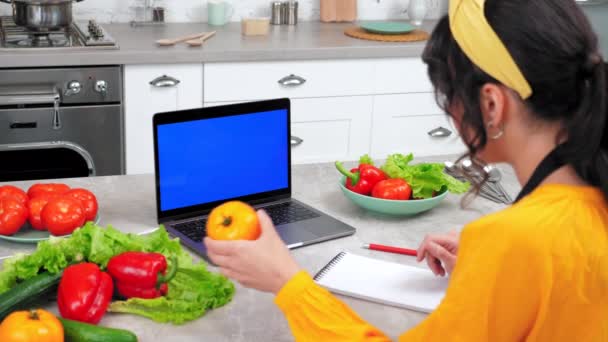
(264, 80)
(415, 104)
(401, 75)
(330, 129)
(397, 128)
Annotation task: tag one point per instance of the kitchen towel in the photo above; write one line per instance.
(383, 282)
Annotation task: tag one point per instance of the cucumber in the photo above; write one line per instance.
(83, 332)
(28, 292)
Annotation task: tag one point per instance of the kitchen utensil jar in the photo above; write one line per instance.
(42, 15)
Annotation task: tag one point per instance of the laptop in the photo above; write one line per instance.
(204, 157)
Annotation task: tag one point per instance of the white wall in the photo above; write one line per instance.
(195, 10)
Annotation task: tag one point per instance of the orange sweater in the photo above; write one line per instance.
(537, 271)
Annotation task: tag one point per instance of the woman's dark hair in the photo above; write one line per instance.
(557, 51)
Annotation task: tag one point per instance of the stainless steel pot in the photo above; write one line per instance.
(42, 15)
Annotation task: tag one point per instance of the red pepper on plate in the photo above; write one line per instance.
(142, 275)
(84, 293)
(392, 189)
(362, 179)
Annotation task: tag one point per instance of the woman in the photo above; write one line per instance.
(525, 84)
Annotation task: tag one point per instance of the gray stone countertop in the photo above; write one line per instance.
(127, 203)
(305, 41)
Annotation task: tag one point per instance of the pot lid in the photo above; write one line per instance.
(42, 2)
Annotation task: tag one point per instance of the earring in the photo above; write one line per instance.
(498, 135)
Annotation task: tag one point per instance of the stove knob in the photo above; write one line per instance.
(101, 87)
(74, 87)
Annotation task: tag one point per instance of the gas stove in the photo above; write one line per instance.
(79, 36)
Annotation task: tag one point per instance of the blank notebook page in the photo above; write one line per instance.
(383, 282)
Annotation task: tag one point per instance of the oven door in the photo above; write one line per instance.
(44, 142)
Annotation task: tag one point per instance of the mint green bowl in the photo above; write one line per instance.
(392, 207)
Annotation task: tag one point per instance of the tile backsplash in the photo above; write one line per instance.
(196, 10)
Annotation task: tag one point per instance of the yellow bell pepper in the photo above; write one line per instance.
(33, 325)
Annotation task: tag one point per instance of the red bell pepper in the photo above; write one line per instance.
(84, 293)
(362, 179)
(392, 189)
(142, 275)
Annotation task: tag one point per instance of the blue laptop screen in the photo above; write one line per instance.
(209, 160)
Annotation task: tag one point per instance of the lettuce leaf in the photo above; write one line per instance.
(424, 178)
(192, 292)
(366, 159)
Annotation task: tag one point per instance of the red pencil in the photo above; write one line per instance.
(390, 249)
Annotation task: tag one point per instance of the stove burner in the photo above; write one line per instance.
(77, 36)
(44, 40)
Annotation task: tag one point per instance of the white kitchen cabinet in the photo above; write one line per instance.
(151, 89)
(402, 122)
(328, 129)
(342, 109)
(401, 75)
(303, 79)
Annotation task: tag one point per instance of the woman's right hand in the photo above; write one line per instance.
(440, 251)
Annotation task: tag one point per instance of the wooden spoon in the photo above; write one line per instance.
(200, 40)
(173, 41)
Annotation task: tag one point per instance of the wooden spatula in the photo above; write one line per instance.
(173, 41)
(200, 40)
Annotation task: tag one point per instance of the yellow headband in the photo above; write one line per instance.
(482, 45)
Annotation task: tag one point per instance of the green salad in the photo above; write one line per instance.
(192, 292)
(425, 179)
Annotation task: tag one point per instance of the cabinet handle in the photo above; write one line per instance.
(164, 81)
(296, 141)
(292, 81)
(440, 132)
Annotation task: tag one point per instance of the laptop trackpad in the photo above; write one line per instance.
(293, 234)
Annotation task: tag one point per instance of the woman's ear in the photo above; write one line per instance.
(493, 102)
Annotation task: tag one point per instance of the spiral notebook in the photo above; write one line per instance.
(383, 282)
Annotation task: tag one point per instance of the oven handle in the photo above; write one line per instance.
(51, 145)
(34, 96)
(10, 98)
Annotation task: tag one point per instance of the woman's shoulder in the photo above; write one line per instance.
(551, 213)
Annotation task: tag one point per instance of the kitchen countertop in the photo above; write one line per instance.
(305, 41)
(127, 203)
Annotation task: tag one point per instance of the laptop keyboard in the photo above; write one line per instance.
(281, 213)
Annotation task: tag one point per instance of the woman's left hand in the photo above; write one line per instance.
(264, 264)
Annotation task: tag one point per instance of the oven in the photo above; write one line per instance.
(61, 122)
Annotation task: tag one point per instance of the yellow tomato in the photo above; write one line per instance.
(34, 325)
(233, 220)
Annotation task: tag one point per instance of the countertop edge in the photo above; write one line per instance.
(310, 41)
